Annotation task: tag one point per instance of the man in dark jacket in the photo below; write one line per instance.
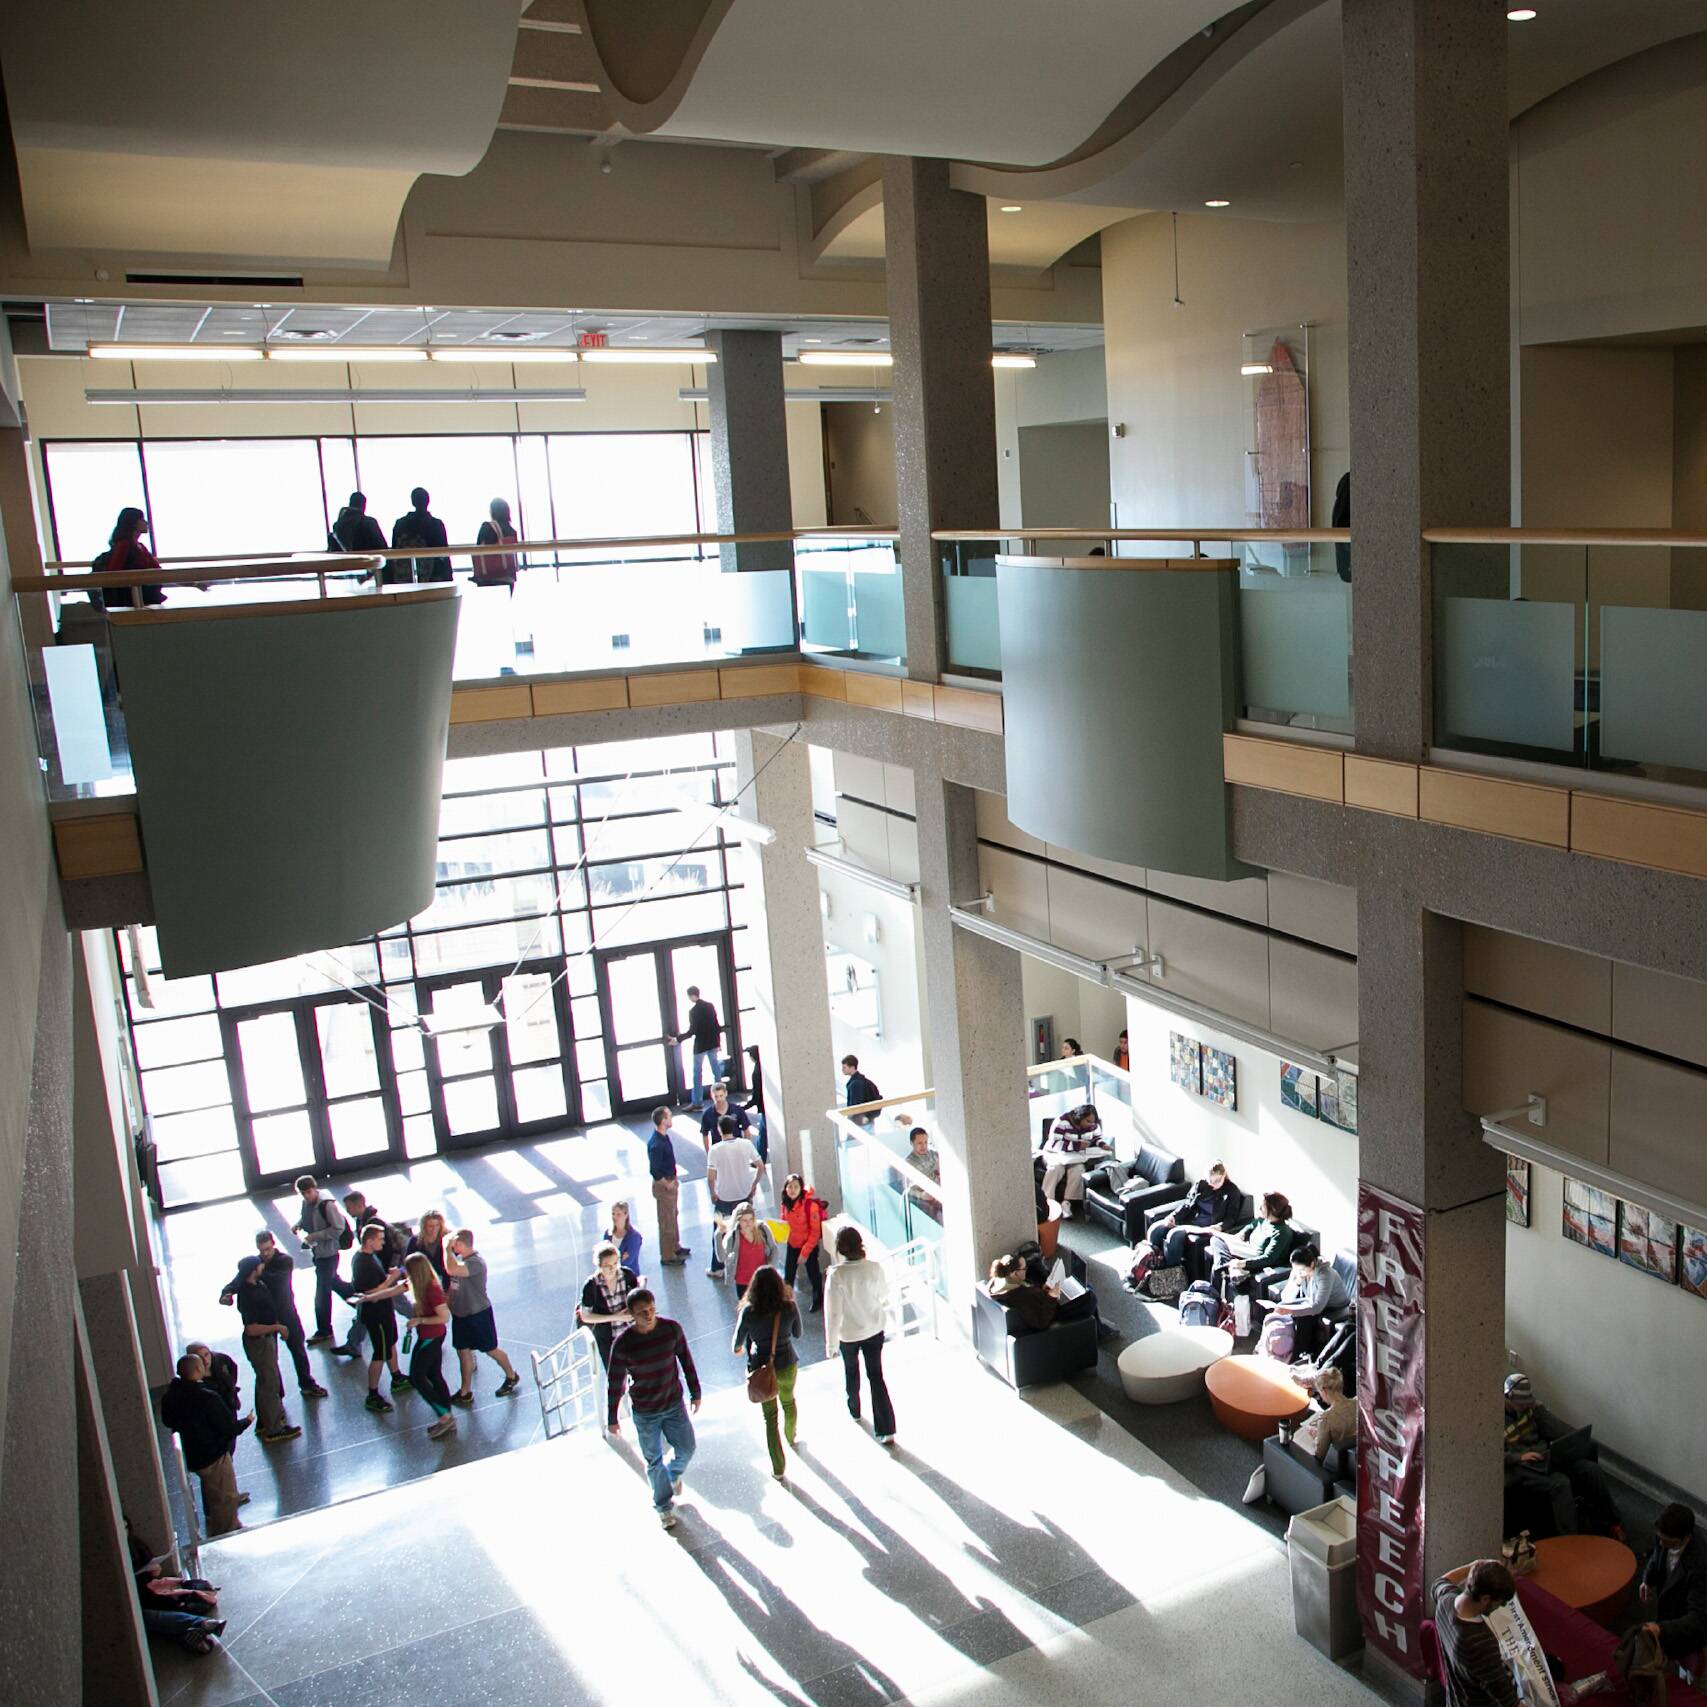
(278, 1273)
(704, 1028)
(355, 530)
(1674, 1585)
(859, 1088)
(419, 527)
(206, 1429)
(1576, 1492)
(1212, 1203)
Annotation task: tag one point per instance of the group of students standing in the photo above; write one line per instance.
(357, 532)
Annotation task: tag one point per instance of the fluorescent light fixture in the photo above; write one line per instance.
(606, 354)
(1005, 360)
(483, 1018)
(498, 353)
(827, 861)
(1013, 207)
(172, 353)
(846, 358)
(817, 394)
(1218, 201)
(1250, 369)
(1521, 14)
(130, 397)
(345, 353)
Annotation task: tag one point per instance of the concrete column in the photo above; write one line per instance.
(937, 252)
(975, 1011)
(116, 1666)
(793, 1020)
(749, 446)
(126, 1409)
(1427, 216)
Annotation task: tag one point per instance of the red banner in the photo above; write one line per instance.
(1390, 1509)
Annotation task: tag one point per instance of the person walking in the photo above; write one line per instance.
(765, 1330)
(426, 1360)
(666, 1189)
(732, 1171)
(419, 528)
(377, 1284)
(206, 1431)
(858, 1305)
(644, 1361)
(803, 1210)
(473, 1326)
(755, 1103)
(749, 1246)
(278, 1274)
(604, 1305)
(355, 530)
(324, 1233)
(262, 1331)
(497, 568)
(704, 1028)
(624, 1234)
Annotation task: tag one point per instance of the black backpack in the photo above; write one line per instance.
(347, 1237)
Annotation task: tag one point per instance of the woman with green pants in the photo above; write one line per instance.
(765, 1329)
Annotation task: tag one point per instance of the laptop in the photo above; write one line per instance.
(1573, 1448)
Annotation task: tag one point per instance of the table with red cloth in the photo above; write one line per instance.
(1584, 1646)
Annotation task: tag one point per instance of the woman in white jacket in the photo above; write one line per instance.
(857, 1307)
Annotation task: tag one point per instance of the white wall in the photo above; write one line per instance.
(896, 1057)
(1607, 1344)
(1267, 1147)
(1070, 385)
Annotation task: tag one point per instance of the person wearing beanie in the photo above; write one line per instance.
(1576, 1491)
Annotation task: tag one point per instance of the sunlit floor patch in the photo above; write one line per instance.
(1025, 1549)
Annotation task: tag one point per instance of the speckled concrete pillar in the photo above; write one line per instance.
(792, 1025)
(749, 446)
(1426, 214)
(976, 1017)
(937, 251)
(132, 1436)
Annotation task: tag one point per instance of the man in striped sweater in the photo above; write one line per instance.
(644, 1359)
(1476, 1671)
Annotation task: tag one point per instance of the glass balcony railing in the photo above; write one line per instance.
(1293, 610)
(849, 593)
(1578, 649)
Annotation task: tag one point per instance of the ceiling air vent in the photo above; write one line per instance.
(232, 281)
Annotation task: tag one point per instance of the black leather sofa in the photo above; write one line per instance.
(1030, 1359)
(1157, 1175)
(1295, 1482)
(1197, 1252)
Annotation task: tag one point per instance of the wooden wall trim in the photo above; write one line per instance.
(1637, 832)
(1381, 785)
(1497, 806)
(106, 845)
(1284, 767)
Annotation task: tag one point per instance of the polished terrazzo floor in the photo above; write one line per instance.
(1015, 1550)
(537, 1211)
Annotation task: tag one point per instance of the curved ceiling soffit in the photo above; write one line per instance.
(291, 152)
(847, 212)
(1153, 106)
(648, 54)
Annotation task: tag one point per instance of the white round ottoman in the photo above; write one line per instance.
(1166, 1367)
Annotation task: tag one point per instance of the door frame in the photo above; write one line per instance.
(660, 951)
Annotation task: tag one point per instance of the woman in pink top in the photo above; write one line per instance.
(749, 1247)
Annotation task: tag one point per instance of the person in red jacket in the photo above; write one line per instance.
(803, 1210)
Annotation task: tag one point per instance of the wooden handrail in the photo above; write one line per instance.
(1120, 565)
(268, 569)
(282, 607)
(1265, 536)
(521, 547)
(1562, 536)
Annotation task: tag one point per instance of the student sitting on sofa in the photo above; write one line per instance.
(1312, 1289)
(1075, 1132)
(1210, 1204)
(1033, 1307)
(1263, 1243)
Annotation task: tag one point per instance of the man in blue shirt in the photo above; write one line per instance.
(666, 1188)
(721, 1106)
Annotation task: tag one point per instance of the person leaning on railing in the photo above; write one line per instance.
(127, 555)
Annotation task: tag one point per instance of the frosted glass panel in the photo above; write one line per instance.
(79, 720)
(974, 634)
(1296, 642)
(758, 610)
(1508, 672)
(1653, 686)
(880, 625)
(824, 609)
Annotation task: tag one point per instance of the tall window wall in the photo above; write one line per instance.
(550, 973)
(208, 496)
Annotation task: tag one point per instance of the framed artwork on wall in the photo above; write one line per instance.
(1591, 1217)
(1692, 1267)
(1220, 1077)
(1647, 1241)
(1516, 1191)
(1340, 1108)
(1185, 1062)
(1298, 1088)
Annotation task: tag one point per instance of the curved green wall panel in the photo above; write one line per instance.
(289, 764)
(1117, 685)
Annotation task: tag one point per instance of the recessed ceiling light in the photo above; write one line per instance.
(1521, 14)
(300, 334)
(1013, 207)
(83, 299)
(1217, 201)
(811, 340)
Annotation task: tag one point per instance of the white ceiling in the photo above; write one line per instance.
(72, 326)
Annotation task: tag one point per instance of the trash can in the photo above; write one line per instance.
(1321, 1545)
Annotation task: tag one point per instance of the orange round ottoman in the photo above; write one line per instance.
(1592, 1573)
(1253, 1396)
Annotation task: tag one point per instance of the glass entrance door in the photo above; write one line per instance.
(307, 1088)
(643, 1002)
(497, 1065)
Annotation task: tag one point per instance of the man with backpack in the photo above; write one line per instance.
(324, 1232)
(393, 1249)
(419, 528)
